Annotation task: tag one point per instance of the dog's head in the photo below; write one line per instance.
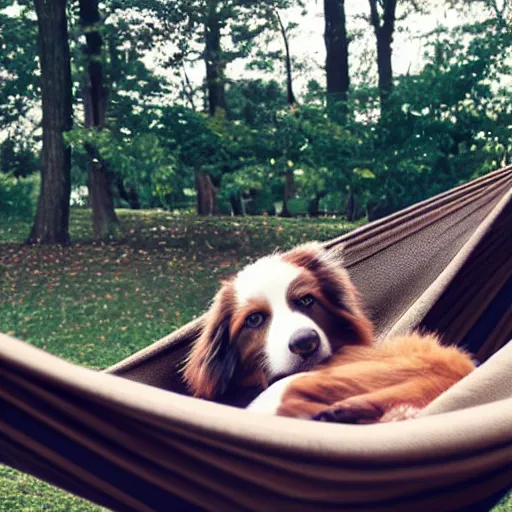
(283, 314)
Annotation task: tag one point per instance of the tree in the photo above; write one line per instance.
(501, 11)
(287, 60)
(214, 60)
(289, 185)
(52, 216)
(105, 221)
(197, 147)
(336, 61)
(127, 145)
(204, 29)
(19, 82)
(236, 15)
(254, 105)
(337, 74)
(454, 120)
(382, 17)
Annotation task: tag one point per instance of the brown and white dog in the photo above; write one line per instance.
(298, 315)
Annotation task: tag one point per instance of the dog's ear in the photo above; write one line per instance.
(213, 359)
(308, 255)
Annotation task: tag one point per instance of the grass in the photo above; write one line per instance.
(95, 304)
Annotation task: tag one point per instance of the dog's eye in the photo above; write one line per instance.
(305, 302)
(255, 320)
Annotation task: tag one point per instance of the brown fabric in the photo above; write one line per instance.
(224, 458)
(131, 446)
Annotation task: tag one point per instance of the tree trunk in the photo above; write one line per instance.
(351, 206)
(102, 203)
(237, 207)
(105, 221)
(336, 62)
(314, 204)
(52, 218)
(385, 70)
(289, 191)
(384, 27)
(289, 182)
(205, 194)
(215, 80)
(130, 195)
(215, 88)
(288, 62)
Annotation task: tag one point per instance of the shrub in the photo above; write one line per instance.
(18, 196)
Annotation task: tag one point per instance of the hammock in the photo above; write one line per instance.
(131, 440)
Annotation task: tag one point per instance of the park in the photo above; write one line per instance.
(150, 149)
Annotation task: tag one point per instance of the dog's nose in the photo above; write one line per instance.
(304, 342)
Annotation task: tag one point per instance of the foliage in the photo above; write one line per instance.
(451, 119)
(459, 130)
(18, 197)
(19, 83)
(142, 162)
(17, 158)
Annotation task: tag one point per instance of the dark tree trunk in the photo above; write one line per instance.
(289, 182)
(105, 221)
(351, 206)
(205, 194)
(384, 27)
(336, 62)
(215, 80)
(385, 70)
(102, 203)
(130, 195)
(314, 204)
(289, 191)
(288, 62)
(52, 217)
(237, 207)
(215, 88)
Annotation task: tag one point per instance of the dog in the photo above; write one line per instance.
(294, 321)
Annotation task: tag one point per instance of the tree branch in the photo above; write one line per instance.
(374, 14)
(289, 88)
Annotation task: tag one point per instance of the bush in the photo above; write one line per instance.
(18, 196)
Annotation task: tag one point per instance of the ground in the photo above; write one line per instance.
(95, 304)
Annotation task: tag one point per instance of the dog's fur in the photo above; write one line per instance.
(245, 343)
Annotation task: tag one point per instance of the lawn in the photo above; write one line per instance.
(94, 304)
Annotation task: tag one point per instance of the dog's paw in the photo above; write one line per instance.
(350, 411)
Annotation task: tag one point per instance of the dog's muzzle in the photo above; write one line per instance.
(304, 342)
